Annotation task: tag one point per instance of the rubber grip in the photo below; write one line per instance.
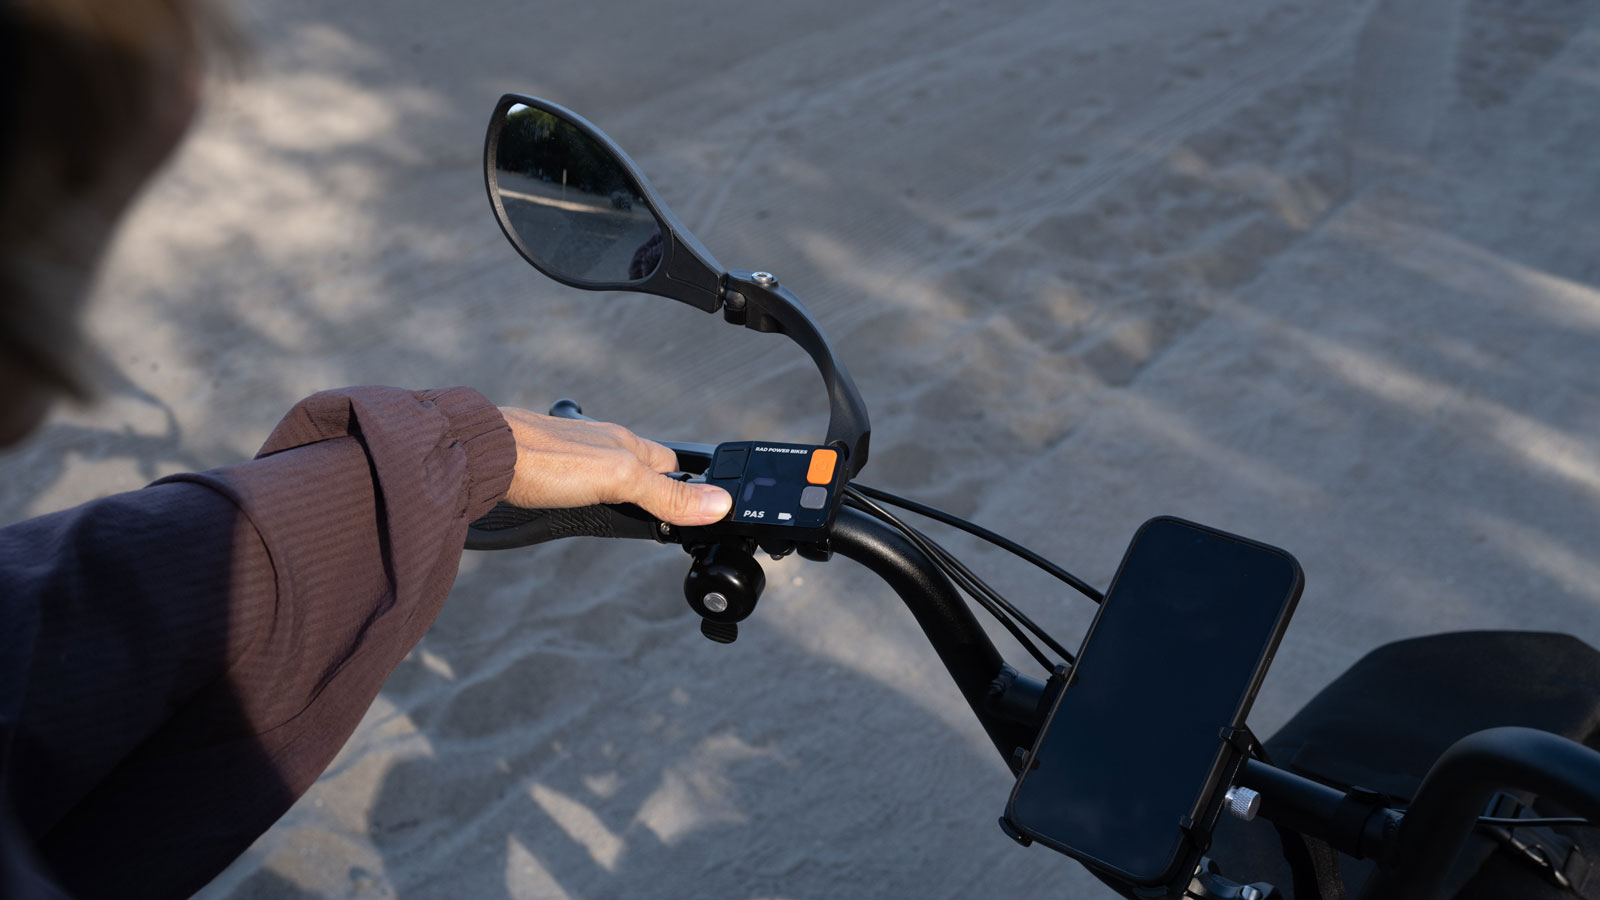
(507, 527)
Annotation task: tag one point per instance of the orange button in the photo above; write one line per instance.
(822, 463)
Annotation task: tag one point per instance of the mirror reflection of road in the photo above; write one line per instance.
(584, 236)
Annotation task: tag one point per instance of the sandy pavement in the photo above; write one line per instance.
(1324, 274)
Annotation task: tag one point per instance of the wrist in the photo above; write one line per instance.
(482, 432)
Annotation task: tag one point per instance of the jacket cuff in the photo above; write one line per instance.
(481, 431)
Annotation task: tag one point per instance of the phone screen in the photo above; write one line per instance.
(1134, 744)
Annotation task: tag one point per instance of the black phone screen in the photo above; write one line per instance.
(1134, 747)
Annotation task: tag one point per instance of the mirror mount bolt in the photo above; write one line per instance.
(765, 279)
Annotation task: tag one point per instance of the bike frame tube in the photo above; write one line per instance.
(980, 673)
(1458, 787)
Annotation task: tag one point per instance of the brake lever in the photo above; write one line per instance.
(693, 458)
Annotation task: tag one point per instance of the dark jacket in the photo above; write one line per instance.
(178, 664)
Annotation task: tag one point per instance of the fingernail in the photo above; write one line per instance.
(715, 501)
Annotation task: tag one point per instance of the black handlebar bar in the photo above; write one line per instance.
(1414, 851)
(507, 527)
(1006, 704)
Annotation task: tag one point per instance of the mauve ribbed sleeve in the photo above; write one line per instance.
(185, 660)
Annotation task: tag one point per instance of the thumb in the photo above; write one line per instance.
(682, 503)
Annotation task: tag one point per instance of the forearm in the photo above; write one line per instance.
(271, 599)
(116, 613)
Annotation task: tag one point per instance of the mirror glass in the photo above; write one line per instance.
(571, 203)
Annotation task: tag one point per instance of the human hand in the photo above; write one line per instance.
(564, 463)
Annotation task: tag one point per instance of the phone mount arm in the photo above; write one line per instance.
(756, 301)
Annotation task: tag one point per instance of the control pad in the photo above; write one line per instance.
(779, 490)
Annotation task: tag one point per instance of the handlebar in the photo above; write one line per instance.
(507, 527)
(1008, 705)
(1414, 849)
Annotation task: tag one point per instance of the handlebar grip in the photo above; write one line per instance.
(507, 527)
(566, 408)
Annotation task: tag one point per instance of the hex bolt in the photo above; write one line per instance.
(715, 602)
(765, 279)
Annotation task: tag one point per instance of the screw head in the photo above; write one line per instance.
(715, 602)
(664, 529)
(764, 278)
(1249, 893)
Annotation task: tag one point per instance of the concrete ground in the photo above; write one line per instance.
(1323, 274)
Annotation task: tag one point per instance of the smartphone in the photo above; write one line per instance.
(1128, 770)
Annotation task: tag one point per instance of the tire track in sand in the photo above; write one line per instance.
(1400, 82)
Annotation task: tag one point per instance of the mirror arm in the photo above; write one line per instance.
(694, 276)
(774, 309)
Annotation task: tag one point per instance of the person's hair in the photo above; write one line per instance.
(85, 87)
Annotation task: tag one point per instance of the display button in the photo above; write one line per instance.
(730, 462)
(821, 471)
(814, 497)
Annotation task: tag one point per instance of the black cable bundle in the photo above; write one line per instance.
(1013, 619)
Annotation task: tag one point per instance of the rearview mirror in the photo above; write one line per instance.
(573, 204)
(577, 208)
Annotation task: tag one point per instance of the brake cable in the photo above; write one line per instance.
(1000, 541)
(1547, 822)
(987, 597)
